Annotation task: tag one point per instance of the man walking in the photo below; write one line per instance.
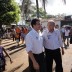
(52, 44)
(34, 47)
(67, 31)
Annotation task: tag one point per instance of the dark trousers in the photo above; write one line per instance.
(40, 59)
(66, 37)
(53, 55)
(13, 37)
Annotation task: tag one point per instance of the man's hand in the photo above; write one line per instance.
(36, 65)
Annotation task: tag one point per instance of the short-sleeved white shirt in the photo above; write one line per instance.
(67, 32)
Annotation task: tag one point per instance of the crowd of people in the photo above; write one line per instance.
(43, 45)
(16, 33)
(2, 57)
(66, 35)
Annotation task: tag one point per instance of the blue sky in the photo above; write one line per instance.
(57, 7)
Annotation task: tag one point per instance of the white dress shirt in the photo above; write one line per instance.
(63, 30)
(52, 40)
(34, 42)
(67, 32)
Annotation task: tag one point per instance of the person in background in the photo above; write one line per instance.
(67, 31)
(63, 32)
(2, 57)
(25, 30)
(22, 35)
(18, 32)
(13, 34)
(71, 35)
(17, 38)
(53, 47)
(34, 48)
(29, 28)
(56, 26)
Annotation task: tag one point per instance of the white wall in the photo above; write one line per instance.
(57, 22)
(44, 23)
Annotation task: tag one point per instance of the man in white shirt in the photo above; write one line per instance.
(34, 47)
(63, 33)
(67, 31)
(52, 44)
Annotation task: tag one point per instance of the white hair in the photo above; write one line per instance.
(51, 21)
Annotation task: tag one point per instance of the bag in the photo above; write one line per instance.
(71, 40)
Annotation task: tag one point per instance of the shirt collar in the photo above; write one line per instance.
(50, 32)
(35, 31)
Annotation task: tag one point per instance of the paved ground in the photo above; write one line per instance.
(20, 57)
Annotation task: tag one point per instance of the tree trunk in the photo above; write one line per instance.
(37, 8)
(0, 26)
(44, 5)
(1, 31)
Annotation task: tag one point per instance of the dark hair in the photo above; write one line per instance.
(33, 22)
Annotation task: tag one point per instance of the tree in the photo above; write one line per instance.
(37, 5)
(44, 2)
(64, 1)
(9, 12)
(42, 13)
(26, 8)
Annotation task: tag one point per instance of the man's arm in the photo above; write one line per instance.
(7, 55)
(61, 43)
(29, 46)
(35, 64)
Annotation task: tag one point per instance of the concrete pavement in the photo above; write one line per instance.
(20, 57)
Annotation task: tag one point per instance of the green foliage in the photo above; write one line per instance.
(42, 13)
(9, 12)
(26, 8)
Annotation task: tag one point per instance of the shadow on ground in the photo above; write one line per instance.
(26, 70)
(15, 47)
(9, 44)
(7, 39)
(16, 68)
(6, 42)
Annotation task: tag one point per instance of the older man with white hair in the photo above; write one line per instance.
(52, 44)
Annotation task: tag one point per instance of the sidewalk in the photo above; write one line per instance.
(67, 59)
(20, 64)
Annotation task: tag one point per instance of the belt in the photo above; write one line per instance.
(52, 50)
(38, 54)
